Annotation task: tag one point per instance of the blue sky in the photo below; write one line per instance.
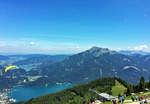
(71, 26)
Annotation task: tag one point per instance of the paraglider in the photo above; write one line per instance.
(9, 67)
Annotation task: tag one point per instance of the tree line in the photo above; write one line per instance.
(140, 87)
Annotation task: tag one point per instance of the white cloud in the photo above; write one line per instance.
(118, 49)
(42, 47)
(141, 47)
(32, 43)
(77, 47)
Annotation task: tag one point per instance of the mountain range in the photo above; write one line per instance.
(131, 52)
(83, 67)
(98, 63)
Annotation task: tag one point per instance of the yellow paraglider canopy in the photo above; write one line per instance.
(9, 67)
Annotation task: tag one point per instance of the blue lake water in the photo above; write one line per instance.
(26, 93)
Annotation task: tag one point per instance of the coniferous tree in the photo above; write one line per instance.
(129, 90)
(141, 86)
(149, 82)
(128, 93)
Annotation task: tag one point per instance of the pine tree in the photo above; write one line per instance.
(128, 93)
(141, 86)
(129, 90)
(149, 82)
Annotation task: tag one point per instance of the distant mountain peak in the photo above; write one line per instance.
(95, 47)
(97, 51)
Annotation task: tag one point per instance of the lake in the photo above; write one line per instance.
(25, 93)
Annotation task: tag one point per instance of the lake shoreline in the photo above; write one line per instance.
(23, 93)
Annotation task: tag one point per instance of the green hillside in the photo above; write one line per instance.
(118, 89)
(80, 93)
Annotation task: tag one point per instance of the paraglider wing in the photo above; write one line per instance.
(10, 67)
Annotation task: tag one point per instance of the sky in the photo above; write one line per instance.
(72, 26)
